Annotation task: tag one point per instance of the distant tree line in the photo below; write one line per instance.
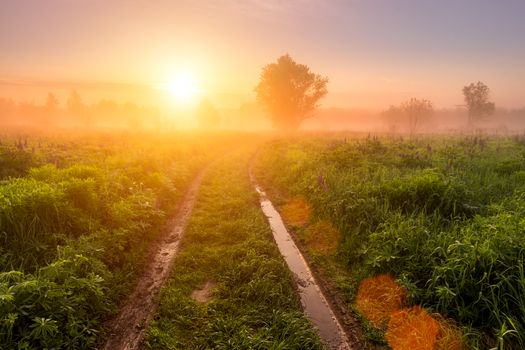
(76, 113)
(73, 112)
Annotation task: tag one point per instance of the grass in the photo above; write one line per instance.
(443, 215)
(378, 297)
(228, 243)
(76, 220)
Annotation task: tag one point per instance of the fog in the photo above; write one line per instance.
(128, 116)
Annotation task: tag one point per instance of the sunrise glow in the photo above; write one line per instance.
(181, 87)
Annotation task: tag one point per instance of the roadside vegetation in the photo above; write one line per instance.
(415, 233)
(76, 218)
(442, 215)
(229, 287)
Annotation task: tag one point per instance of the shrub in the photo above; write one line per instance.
(58, 307)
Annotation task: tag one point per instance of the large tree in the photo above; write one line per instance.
(477, 100)
(289, 92)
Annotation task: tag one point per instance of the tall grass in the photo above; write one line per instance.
(444, 215)
(75, 227)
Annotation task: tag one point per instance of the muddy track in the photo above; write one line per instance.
(126, 329)
(316, 306)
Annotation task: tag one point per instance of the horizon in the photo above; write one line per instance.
(375, 54)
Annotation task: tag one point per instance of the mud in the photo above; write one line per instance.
(314, 303)
(204, 294)
(126, 330)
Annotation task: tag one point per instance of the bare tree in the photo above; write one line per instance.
(51, 102)
(477, 100)
(50, 110)
(417, 112)
(78, 109)
(392, 117)
(289, 92)
(74, 103)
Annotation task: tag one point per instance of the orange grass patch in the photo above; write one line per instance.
(412, 328)
(297, 212)
(322, 237)
(379, 296)
(450, 336)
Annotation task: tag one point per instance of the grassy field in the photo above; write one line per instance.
(442, 215)
(426, 230)
(77, 215)
(229, 287)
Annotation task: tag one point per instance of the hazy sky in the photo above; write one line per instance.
(375, 52)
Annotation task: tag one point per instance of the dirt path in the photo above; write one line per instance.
(126, 329)
(314, 303)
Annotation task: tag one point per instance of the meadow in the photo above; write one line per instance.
(229, 287)
(77, 215)
(429, 226)
(442, 216)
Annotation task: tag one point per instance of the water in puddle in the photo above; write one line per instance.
(313, 301)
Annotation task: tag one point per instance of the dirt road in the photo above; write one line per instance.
(126, 329)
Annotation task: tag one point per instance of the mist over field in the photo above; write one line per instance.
(110, 115)
(146, 65)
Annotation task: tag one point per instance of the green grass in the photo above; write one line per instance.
(228, 242)
(443, 214)
(76, 222)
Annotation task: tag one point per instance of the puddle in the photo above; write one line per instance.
(204, 294)
(314, 303)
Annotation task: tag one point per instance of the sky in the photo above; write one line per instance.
(374, 52)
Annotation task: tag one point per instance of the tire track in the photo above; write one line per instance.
(126, 330)
(313, 301)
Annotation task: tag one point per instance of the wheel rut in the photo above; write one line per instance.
(313, 301)
(126, 330)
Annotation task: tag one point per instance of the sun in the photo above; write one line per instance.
(182, 87)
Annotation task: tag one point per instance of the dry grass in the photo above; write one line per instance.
(378, 297)
(297, 212)
(412, 329)
(322, 237)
